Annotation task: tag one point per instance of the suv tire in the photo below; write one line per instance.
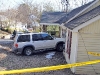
(28, 51)
(59, 47)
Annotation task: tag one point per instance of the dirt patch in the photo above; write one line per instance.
(3, 34)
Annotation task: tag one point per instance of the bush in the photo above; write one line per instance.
(10, 30)
(4, 29)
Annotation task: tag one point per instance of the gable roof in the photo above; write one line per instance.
(51, 17)
(61, 17)
(83, 18)
(74, 12)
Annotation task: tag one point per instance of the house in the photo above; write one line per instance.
(82, 36)
(52, 22)
(59, 18)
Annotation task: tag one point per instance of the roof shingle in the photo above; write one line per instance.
(74, 12)
(51, 17)
(83, 18)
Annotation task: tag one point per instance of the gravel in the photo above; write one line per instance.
(10, 61)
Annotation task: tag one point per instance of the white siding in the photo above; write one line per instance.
(74, 47)
(89, 40)
(65, 54)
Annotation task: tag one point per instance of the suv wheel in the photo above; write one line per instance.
(59, 47)
(28, 51)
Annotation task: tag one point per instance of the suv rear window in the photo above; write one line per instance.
(23, 38)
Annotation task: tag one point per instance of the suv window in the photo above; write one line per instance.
(36, 37)
(23, 38)
(46, 37)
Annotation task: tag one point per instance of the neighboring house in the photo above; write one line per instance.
(52, 18)
(82, 36)
(18, 26)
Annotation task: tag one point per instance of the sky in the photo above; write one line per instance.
(7, 4)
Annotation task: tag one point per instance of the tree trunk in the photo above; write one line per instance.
(44, 28)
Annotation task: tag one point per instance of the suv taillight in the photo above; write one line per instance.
(16, 45)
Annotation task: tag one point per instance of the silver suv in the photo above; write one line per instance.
(28, 43)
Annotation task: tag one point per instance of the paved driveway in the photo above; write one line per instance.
(9, 61)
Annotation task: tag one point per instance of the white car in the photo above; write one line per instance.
(30, 42)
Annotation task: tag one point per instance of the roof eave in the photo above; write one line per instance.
(86, 23)
(49, 24)
(82, 11)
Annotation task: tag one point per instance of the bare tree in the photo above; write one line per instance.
(10, 14)
(0, 23)
(47, 7)
(65, 5)
(26, 10)
(70, 4)
(23, 15)
(78, 3)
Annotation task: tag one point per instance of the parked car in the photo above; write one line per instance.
(29, 42)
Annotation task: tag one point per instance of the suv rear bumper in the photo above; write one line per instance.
(17, 50)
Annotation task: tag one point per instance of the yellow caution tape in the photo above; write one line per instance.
(94, 53)
(42, 69)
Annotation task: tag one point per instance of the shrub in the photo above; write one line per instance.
(10, 30)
